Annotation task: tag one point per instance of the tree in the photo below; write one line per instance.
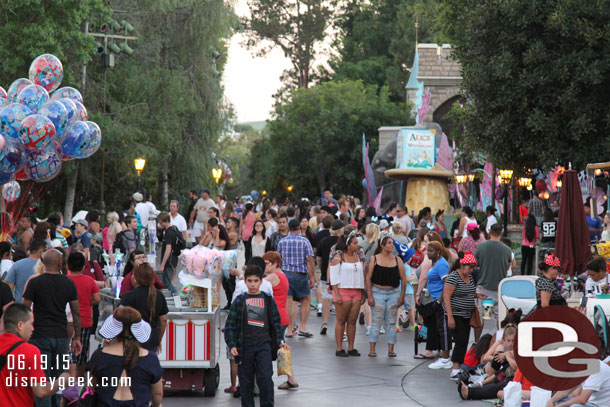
(536, 75)
(315, 137)
(377, 41)
(297, 27)
(29, 28)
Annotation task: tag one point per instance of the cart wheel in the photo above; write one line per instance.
(601, 327)
(217, 371)
(210, 382)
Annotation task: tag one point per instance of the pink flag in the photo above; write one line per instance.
(377, 202)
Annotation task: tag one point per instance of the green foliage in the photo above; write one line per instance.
(315, 138)
(296, 27)
(164, 102)
(378, 41)
(536, 75)
(29, 28)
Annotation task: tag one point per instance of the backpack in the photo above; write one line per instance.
(178, 243)
(119, 242)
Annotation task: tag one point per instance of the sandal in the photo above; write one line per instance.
(289, 336)
(306, 334)
(391, 354)
(288, 386)
(231, 389)
(420, 356)
(372, 354)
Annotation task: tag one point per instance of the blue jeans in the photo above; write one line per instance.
(54, 349)
(384, 311)
(168, 272)
(255, 360)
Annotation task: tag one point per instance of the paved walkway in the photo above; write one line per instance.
(326, 380)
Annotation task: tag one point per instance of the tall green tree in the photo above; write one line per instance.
(297, 27)
(536, 75)
(315, 137)
(164, 102)
(377, 41)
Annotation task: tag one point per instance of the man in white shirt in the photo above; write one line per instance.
(595, 391)
(491, 218)
(199, 216)
(176, 219)
(146, 210)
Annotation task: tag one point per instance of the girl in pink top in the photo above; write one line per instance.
(530, 234)
(279, 281)
(247, 222)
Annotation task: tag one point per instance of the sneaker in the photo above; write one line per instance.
(412, 327)
(368, 330)
(455, 375)
(361, 318)
(324, 329)
(332, 311)
(398, 328)
(439, 364)
(381, 331)
(319, 310)
(344, 338)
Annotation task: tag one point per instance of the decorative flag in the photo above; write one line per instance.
(377, 201)
(371, 188)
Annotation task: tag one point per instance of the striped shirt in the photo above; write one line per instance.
(295, 249)
(462, 300)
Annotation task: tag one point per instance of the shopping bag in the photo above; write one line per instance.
(284, 362)
(512, 394)
(539, 397)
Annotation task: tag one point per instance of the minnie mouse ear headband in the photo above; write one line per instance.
(383, 235)
(552, 260)
(468, 259)
(113, 327)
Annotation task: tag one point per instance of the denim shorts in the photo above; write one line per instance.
(298, 284)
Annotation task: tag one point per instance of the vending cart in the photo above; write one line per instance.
(190, 348)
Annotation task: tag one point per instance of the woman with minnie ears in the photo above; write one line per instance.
(458, 303)
(547, 292)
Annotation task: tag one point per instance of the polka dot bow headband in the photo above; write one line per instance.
(468, 259)
(552, 260)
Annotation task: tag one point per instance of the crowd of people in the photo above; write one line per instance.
(332, 256)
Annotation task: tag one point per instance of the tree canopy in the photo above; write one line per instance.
(536, 75)
(165, 101)
(315, 140)
(377, 41)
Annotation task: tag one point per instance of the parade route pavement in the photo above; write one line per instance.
(328, 381)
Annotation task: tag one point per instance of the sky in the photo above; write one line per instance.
(250, 82)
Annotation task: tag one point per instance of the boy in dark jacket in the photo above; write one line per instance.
(253, 333)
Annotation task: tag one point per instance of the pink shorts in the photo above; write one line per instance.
(349, 294)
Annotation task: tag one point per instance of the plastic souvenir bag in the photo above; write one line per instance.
(284, 362)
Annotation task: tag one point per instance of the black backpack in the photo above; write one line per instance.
(178, 243)
(119, 242)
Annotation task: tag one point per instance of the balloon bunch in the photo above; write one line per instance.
(41, 125)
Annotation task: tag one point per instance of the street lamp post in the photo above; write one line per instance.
(139, 163)
(505, 178)
(217, 175)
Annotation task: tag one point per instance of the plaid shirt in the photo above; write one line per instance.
(535, 207)
(234, 332)
(295, 249)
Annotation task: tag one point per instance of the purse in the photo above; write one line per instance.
(475, 319)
